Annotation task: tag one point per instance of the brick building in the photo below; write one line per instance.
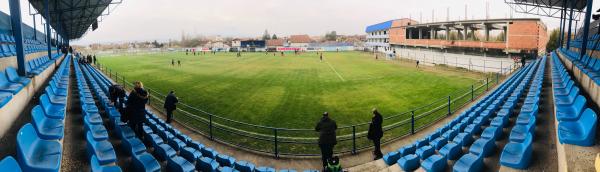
(492, 36)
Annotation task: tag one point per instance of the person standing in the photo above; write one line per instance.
(321, 57)
(327, 138)
(170, 105)
(417, 63)
(172, 62)
(179, 63)
(523, 61)
(117, 96)
(375, 133)
(136, 107)
(94, 58)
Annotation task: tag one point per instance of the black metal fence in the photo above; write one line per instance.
(304, 142)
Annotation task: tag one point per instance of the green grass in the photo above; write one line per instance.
(292, 91)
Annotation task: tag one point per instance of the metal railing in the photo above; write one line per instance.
(304, 142)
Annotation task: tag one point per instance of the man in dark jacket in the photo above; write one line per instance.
(375, 133)
(136, 107)
(326, 128)
(117, 96)
(170, 105)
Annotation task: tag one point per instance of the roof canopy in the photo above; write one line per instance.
(72, 18)
(548, 8)
(379, 26)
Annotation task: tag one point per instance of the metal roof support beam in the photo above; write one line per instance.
(48, 32)
(560, 29)
(15, 20)
(570, 22)
(586, 30)
(562, 34)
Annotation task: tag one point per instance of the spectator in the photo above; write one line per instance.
(136, 107)
(117, 96)
(327, 139)
(523, 61)
(375, 133)
(170, 105)
(94, 58)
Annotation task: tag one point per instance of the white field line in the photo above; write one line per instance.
(338, 74)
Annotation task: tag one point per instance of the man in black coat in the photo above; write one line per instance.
(327, 139)
(170, 105)
(375, 133)
(117, 96)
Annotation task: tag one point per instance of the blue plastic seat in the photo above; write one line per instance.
(55, 99)
(473, 129)
(47, 128)
(439, 142)
(492, 133)
(179, 164)
(483, 146)
(451, 151)
(96, 167)
(52, 110)
(225, 160)
(425, 151)
(408, 149)
(5, 97)
(103, 150)
(434, 163)
(190, 154)
(7, 86)
(409, 162)
(463, 139)
(517, 155)
(572, 112)
(124, 132)
(144, 162)
(176, 144)
(133, 144)
(209, 152)
(391, 157)
(581, 132)
(164, 152)
(9, 164)
(207, 164)
(36, 154)
(244, 166)
(468, 163)
(98, 132)
(11, 74)
(520, 131)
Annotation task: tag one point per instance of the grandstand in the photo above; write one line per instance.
(55, 112)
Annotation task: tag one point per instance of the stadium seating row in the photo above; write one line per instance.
(11, 83)
(518, 152)
(450, 139)
(39, 143)
(8, 48)
(100, 151)
(179, 150)
(576, 123)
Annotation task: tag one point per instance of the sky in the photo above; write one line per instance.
(141, 20)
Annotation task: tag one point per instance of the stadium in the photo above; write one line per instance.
(480, 93)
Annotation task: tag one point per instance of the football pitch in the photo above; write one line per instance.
(292, 91)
